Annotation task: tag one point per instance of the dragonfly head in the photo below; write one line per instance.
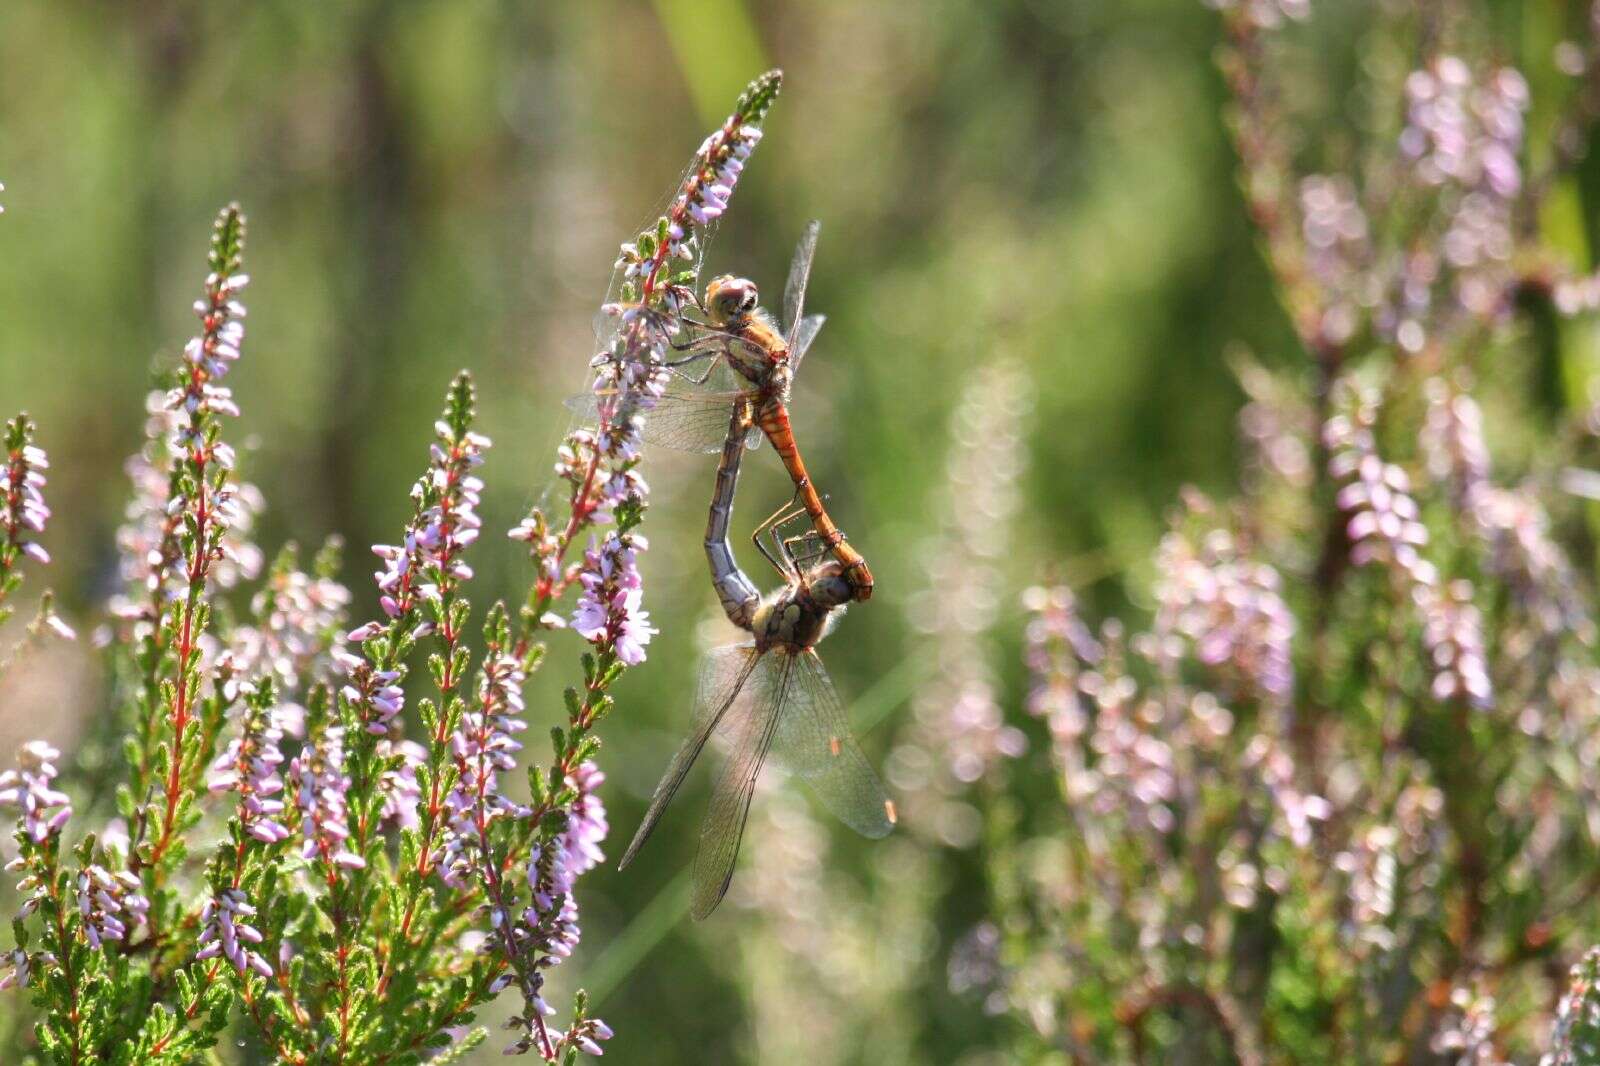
(827, 586)
(730, 300)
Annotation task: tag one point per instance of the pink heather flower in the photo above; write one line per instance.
(227, 935)
(298, 616)
(21, 967)
(1462, 132)
(609, 610)
(217, 346)
(1266, 14)
(1230, 608)
(1463, 136)
(1452, 631)
(546, 930)
(1338, 251)
(321, 786)
(586, 1036)
(1058, 644)
(23, 513)
(27, 789)
(249, 765)
(1384, 522)
(579, 844)
(483, 746)
(1468, 1034)
(401, 792)
(110, 904)
(1296, 809)
(1525, 555)
(375, 694)
(431, 550)
(1453, 443)
(148, 541)
(961, 735)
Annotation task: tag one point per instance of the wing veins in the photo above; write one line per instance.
(683, 761)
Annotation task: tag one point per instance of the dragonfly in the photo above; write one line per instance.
(770, 695)
(737, 357)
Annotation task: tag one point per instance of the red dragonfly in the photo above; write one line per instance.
(770, 695)
(737, 358)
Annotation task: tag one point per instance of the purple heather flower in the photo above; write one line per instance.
(21, 967)
(1463, 136)
(1266, 14)
(961, 735)
(1058, 644)
(1338, 251)
(1384, 523)
(1296, 808)
(1229, 607)
(27, 789)
(1524, 553)
(22, 508)
(109, 903)
(298, 616)
(1462, 132)
(609, 610)
(249, 765)
(226, 934)
(586, 1035)
(586, 829)
(401, 791)
(483, 746)
(1452, 631)
(1453, 443)
(431, 550)
(321, 786)
(375, 694)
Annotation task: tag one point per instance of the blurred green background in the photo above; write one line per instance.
(431, 186)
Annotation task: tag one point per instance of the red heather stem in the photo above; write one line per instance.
(198, 569)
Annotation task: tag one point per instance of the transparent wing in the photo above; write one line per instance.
(686, 417)
(801, 341)
(722, 677)
(794, 290)
(751, 736)
(814, 742)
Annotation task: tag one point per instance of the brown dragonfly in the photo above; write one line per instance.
(738, 358)
(770, 695)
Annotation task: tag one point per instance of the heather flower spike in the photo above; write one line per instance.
(23, 512)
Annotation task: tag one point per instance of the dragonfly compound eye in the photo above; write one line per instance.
(730, 297)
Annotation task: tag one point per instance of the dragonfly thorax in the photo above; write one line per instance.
(798, 615)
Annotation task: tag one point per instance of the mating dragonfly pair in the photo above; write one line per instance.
(769, 696)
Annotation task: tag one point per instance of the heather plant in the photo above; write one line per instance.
(1333, 798)
(329, 840)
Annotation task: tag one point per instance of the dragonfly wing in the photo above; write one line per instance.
(684, 417)
(794, 290)
(722, 678)
(584, 405)
(803, 336)
(688, 420)
(814, 741)
(751, 736)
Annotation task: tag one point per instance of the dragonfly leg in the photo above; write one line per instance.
(793, 564)
(707, 329)
(699, 354)
(813, 549)
(770, 526)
